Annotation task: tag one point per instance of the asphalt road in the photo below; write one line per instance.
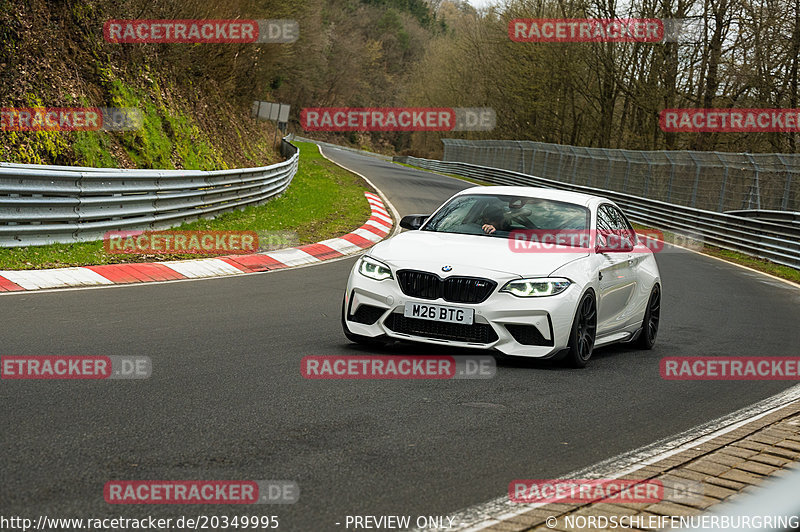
(226, 399)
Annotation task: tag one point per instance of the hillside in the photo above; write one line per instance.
(195, 98)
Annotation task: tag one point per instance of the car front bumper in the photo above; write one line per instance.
(530, 327)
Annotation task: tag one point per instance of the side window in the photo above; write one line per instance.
(611, 221)
(604, 220)
(619, 221)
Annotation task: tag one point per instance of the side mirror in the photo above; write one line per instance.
(615, 242)
(413, 221)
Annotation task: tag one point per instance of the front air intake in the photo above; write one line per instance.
(425, 285)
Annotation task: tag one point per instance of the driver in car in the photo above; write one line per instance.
(494, 220)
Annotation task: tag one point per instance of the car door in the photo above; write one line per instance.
(616, 279)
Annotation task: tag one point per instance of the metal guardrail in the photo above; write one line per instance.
(42, 204)
(712, 181)
(775, 241)
(775, 216)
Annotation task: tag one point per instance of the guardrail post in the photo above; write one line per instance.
(696, 179)
(755, 186)
(721, 206)
(647, 175)
(627, 172)
(788, 186)
(574, 164)
(671, 175)
(544, 165)
(608, 169)
(76, 235)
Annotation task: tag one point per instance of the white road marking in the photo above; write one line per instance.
(383, 217)
(369, 235)
(376, 225)
(345, 247)
(292, 256)
(196, 268)
(38, 279)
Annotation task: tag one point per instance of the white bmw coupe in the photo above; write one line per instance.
(524, 271)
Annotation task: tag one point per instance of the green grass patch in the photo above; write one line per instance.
(164, 133)
(323, 201)
(762, 265)
(167, 137)
(92, 148)
(32, 147)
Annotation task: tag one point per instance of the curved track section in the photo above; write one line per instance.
(226, 399)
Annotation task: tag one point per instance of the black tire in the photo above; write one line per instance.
(647, 338)
(582, 334)
(368, 341)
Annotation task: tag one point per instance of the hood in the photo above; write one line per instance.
(467, 254)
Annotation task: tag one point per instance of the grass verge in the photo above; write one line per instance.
(762, 265)
(323, 201)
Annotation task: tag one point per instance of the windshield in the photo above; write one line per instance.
(501, 215)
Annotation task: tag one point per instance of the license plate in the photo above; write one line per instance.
(425, 311)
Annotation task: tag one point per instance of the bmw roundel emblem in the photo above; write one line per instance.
(446, 268)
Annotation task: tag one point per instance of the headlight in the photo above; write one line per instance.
(536, 287)
(374, 269)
